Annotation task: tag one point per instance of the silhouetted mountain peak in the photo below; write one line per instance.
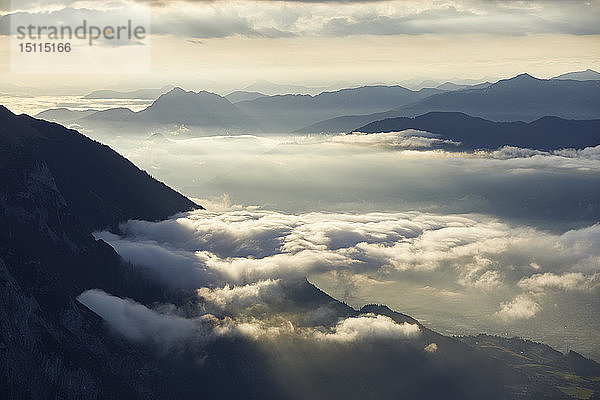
(202, 109)
(4, 111)
(189, 95)
(176, 91)
(525, 76)
(521, 79)
(12, 129)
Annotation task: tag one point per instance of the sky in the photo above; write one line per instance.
(223, 45)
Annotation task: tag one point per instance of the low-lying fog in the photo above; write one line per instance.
(502, 242)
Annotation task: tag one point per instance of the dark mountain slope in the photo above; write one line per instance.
(546, 133)
(89, 175)
(571, 373)
(56, 186)
(53, 347)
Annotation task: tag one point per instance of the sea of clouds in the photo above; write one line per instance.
(503, 242)
(236, 259)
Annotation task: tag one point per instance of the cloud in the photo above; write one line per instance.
(589, 153)
(369, 327)
(362, 178)
(179, 268)
(170, 330)
(216, 19)
(434, 264)
(431, 348)
(248, 246)
(138, 323)
(408, 139)
(241, 297)
(237, 258)
(165, 328)
(567, 281)
(203, 22)
(521, 307)
(510, 152)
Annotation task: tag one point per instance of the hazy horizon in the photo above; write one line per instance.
(225, 45)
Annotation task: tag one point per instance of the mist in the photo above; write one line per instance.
(503, 242)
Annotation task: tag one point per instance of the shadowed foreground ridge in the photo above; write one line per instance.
(58, 186)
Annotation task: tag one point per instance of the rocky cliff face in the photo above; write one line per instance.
(56, 186)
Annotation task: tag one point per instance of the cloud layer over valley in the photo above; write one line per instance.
(237, 259)
(503, 242)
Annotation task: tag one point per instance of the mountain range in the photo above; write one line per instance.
(57, 187)
(242, 95)
(210, 111)
(588, 74)
(284, 113)
(178, 107)
(521, 98)
(147, 94)
(547, 133)
(272, 88)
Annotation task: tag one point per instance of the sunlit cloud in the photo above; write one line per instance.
(521, 307)
(367, 327)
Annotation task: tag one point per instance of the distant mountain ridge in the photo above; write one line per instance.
(272, 88)
(588, 74)
(241, 95)
(521, 98)
(64, 115)
(177, 107)
(547, 133)
(146, 94)
(286, 113)
(280, 113)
